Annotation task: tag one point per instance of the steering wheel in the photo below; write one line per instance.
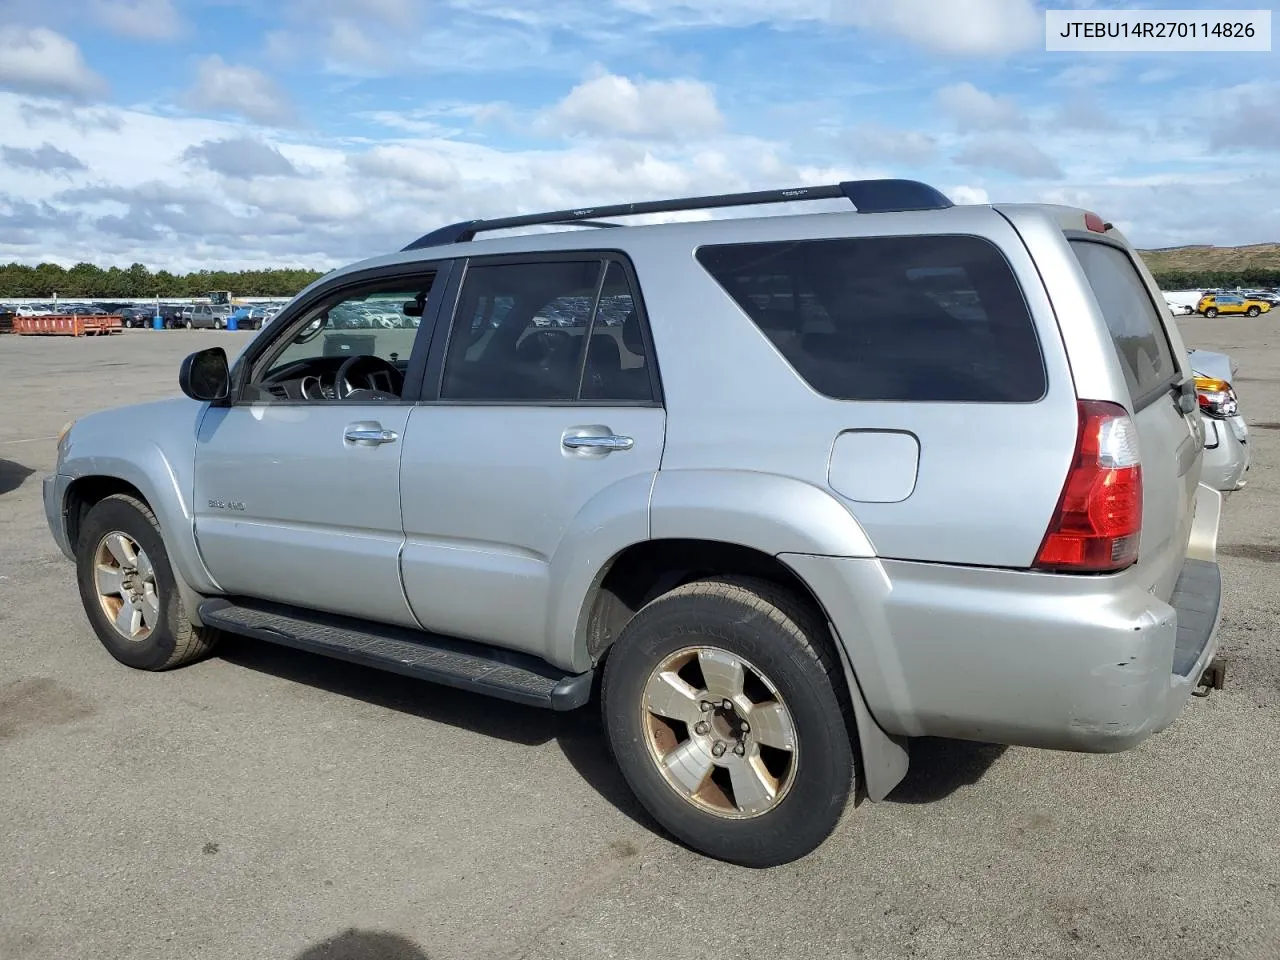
(365, 364)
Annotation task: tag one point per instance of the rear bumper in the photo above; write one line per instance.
(1093, 664)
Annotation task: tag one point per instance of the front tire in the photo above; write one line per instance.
(726, 711)
(128, 588)
(1211, 312)
(1253, 311)
(217, 324)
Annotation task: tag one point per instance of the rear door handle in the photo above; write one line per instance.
(604, 443)
(369, 434)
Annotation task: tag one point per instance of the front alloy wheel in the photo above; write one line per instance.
(126, 583)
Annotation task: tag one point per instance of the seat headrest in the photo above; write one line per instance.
(632, 336)
(604, 351)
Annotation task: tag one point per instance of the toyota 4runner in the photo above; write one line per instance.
(780, 493)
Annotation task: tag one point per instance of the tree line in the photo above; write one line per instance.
(136, 282)
(1248, 278)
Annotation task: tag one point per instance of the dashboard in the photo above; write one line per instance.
(316, 378)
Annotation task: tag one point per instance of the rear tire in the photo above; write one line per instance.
(785, 767)
(129, 591)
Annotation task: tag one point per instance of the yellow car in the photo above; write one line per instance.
(1212, 304)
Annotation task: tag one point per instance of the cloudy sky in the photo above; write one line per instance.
(226, 133)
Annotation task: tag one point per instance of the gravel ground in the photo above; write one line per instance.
(274, 805)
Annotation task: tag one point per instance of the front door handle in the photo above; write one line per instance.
(369, 434)
(604, 443)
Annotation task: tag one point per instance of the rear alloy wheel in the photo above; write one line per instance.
(726, 712)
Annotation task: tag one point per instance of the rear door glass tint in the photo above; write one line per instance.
(925, 319)
(1137, 329)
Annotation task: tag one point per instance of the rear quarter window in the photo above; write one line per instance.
(1136, 326)
(923, 319)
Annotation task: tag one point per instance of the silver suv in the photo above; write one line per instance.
(782, 493)
(209, 316)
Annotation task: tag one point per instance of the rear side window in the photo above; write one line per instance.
(1136, 327)
(925, 319)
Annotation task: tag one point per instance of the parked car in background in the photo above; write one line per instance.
(132, 317)
(1269, 298)
(1226, 440)
(1180, 309)
(209, 316)
(1212, 304)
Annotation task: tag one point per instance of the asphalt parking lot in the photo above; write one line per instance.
(272, 805)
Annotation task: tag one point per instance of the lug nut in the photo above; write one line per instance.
(706, 705)
(746, 727)
(717, 749)
(701, 728)
(740, 750)
(727, 704)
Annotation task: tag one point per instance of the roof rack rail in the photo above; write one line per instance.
(867, 196)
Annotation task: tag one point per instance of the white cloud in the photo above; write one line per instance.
(967, 194)
(1085, 75)
(399, 13)
(610, 105)
(1246, 117)
(222, 86)
(875, 141)
(37, 60)
(140, 19)
(45, 158)
(965, 27)
(241, 157)
(410, 165)
(348, 45)
(58, 113)
(1085, 113)
(1010, 153)
(972, 108)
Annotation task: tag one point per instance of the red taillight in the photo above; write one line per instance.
(1099, 517)
(1095, 223)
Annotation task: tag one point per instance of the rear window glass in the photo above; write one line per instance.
(932, 318)
(1136, 327)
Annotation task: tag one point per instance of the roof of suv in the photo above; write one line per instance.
(865, 197)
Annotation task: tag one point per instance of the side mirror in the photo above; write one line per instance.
(205, 375)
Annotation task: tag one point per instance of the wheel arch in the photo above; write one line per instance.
(642, 571)
(90, 487)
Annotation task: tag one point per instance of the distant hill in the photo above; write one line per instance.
(1203, 258)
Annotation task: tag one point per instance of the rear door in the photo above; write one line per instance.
(1170, 441)
(541, 430)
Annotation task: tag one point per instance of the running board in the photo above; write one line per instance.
(505, 674)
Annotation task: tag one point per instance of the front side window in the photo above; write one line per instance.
(553, 331)
(355, 346)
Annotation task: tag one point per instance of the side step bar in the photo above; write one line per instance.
(455, 663)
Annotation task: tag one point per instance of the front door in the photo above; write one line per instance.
(297, 490)
(538, 453)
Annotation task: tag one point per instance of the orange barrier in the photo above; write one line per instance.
(72, 325)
